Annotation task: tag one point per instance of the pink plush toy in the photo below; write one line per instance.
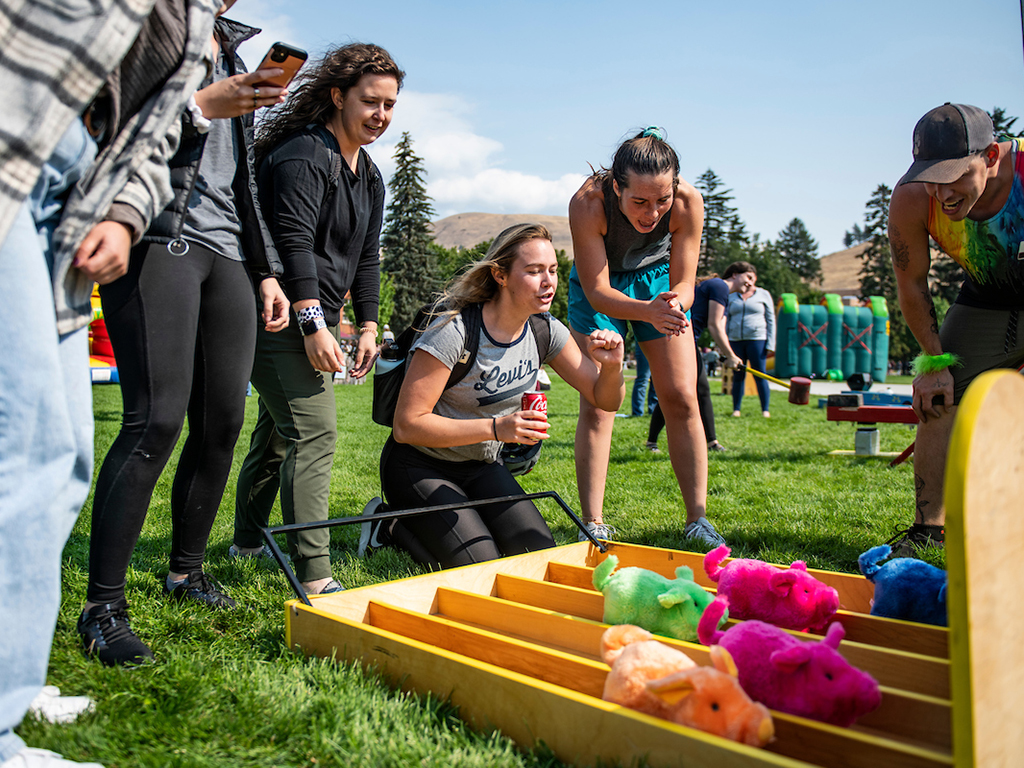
(790, 598)
(800, 677)
(654, 678)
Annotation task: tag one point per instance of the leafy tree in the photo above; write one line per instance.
(407, 239)
(799, 250)
(1002, 123)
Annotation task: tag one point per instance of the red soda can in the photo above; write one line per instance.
(535, 401)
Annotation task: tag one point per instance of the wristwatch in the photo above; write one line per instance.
(311, 320)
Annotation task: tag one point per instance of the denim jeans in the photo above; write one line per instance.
(641, 386)
(46, 438)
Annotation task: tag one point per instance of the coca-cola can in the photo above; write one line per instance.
(535, 401)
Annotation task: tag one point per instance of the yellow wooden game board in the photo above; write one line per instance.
(514, 643)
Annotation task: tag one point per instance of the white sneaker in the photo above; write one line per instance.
(600, 531)
(49, 705)
(703, 531)
(371, 532)
(30, 757)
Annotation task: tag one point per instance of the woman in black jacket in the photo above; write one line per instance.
(183, 327)
(324, 200)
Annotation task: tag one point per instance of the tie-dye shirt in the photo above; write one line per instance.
(990, 251)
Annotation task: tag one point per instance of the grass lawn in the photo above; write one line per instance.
(225, 690)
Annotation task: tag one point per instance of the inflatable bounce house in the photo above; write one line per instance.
(832, 337)
(101, 353)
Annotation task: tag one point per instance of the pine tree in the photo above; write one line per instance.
(854, 236)
(724, 232)
(1002, 124)
(799, 250)
(407, 240)
(877, 277)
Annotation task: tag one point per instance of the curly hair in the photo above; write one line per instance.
(309, 100)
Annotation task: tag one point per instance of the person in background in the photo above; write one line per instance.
(710, 299)
(644, 399)
(183, 326)
(751, 329)
(446, 440)
(636, 235)
(83, 173)
(323, 198)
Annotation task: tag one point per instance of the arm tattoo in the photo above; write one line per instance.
(931, 313)
(900, 252)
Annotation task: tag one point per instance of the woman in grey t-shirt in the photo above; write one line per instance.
(446, 441)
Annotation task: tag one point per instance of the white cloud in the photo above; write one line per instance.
(464, 170)
(276, 27)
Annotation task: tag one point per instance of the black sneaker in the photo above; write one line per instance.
(107, 635)
(373, 533)
(907, 542)
(199, 587)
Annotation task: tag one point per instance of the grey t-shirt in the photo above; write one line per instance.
(212, 218)
(494, 386)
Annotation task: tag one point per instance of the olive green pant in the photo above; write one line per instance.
(291, 450)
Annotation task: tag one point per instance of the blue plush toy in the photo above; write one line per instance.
(905, 588)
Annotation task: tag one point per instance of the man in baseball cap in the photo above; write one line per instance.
(965, 191)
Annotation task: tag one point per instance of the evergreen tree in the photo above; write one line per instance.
(877, 277)
(407, 239)
(799, 250)
(724, 234)
(1002, 123)
(854, 236)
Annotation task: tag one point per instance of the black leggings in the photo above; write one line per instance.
(411, 479)
(183, 330)
(707, 411)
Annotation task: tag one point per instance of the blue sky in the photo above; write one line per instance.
(802, 108)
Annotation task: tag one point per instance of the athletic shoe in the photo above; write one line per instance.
(652, 447)
(30, 757)
(330, 588)
(716, 446)
(49, 705)
(372, 534)
(107, 635)
(199, 587)
(236, 554)
(600, 531)
(908, 542)
(703, 531)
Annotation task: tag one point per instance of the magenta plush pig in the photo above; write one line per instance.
(789, 598)
(801, 677)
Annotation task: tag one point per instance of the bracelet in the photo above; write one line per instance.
(311, 319)
(368, 329)
(494, 427)
(931, 363)
(200, 121)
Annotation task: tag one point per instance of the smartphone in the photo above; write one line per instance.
(286, 57)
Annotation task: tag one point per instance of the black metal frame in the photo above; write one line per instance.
(270, 531)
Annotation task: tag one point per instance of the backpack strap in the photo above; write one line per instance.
(541, 326)
(472, 319)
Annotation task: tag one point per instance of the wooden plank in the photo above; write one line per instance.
(861, 749)
(873, 414)
(584, 603)
(984, 547)
(911, 716)
(575, 727)
(898, 635)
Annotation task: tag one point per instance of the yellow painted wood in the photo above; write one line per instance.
(984, 497)
(898, 635)
(584, 603)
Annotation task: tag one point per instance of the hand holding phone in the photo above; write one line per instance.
(287, 58)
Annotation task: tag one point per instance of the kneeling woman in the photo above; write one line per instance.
(446, 442)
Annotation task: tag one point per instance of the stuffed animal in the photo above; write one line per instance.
(669, 607)
(905, 588)
(651, 677)
(806, 678)
(789, 598)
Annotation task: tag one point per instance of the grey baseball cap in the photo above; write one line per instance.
(944, 140)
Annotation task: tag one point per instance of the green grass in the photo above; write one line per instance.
(227, 692)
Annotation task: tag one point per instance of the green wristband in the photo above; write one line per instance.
(931, 363)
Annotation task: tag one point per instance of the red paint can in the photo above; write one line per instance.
(535, 401)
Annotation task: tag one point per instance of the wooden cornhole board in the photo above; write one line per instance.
(514, 643)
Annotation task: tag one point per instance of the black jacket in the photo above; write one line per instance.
(257, 244)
